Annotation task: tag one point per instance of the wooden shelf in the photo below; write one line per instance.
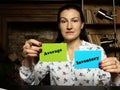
(40, 1)
(102, 2)
(99, 29)
(101, 26)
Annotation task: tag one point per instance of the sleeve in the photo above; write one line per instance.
(27, 74)
(103, 54)
(34, 75)
(118, 82)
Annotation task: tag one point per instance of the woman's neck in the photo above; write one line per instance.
(72, 46)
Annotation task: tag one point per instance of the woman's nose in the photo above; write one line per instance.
(69, 26)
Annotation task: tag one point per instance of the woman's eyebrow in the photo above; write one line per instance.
(71, 18)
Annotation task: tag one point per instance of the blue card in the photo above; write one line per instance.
(87, 58)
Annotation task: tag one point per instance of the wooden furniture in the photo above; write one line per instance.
(100, 30)
(20, 19)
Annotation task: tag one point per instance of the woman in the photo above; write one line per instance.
(71, 23)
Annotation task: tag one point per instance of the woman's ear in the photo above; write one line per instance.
(82, 25)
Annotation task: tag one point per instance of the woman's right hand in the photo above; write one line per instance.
(32, 48)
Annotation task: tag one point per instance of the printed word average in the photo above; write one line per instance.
(52, 52)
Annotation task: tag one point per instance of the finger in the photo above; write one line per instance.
(112, 70)
(35, 48)
(108, 59)
(31, 55)
(32, 50)
(27, 45)
(109, 63)
(29, 52)
(109, 67)
(33, 42)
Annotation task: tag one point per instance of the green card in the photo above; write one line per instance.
(53, 52)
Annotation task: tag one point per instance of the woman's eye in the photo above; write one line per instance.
(75, 20)
(62, 21)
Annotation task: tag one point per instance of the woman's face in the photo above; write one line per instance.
(70, 24)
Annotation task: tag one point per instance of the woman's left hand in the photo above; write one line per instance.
(110, 64)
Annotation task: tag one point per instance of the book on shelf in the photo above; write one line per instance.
(91, 17)
(117, 11)
(103, 37)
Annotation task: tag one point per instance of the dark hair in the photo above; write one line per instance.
(70, 6)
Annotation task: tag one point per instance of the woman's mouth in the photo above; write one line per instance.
(69, 32)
